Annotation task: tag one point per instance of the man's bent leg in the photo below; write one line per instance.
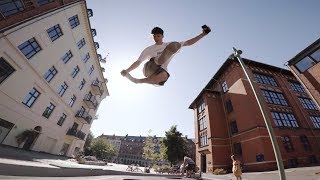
(135, 80)
(150, 68)
(170, 50)
(155, 78)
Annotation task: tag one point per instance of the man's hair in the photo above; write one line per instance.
(157, 30)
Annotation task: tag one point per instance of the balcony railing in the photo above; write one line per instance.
(76, 133)
(96, 45)
(90, 12)
(91, 101)
(97, 87)
(99, 57)
(93, 32)
(85, 116)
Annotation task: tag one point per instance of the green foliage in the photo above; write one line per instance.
(176, 145)
(219, 171)
(102, 148)
(87, 145)
(149, 150)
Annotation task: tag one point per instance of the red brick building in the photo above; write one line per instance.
(13, 13)
(228, 119)
(306, 67)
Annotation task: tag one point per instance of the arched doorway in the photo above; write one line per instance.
(31, 137)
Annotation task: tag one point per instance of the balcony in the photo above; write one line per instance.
(97, 88)
(99, 57)
(90, 12)
(103, 69)
(93, 32)
(85, 116)
(76, 133)
(96, 45)
(105, 80)
(90, 101)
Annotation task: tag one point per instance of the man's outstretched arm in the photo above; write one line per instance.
(132, 67)
(197, 38)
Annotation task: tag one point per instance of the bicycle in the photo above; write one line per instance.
(134, 168)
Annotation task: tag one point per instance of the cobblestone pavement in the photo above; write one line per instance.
(21, 164)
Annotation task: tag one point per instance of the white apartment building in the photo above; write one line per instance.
(51, 79)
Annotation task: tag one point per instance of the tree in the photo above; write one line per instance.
(176, 145)
(102, 148)
(87, 145)
(154, 150)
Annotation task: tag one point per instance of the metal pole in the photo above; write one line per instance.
(273, 139)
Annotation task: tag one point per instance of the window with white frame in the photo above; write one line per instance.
(201, 106)
(82, 83)
(48, 111)
(54, 32)
(75, 71)
(272, 97)
(49, 75)
(265, 79)
(316, 121)
(31, 97)
(284, 119)
(62, 119)
(10, 7)
(202, 123)
(86, 58)
(67, 56)
(81, 43)
(29, 48)
(72, 100)
(203, 139)
(297, 87)
(307, 103)
(225, 86)
(74, 21)
(62, 89)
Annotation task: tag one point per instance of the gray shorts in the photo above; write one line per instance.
(151, 68)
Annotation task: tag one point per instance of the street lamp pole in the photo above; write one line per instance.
(275, 146)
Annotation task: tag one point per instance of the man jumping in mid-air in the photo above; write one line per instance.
(159, 56)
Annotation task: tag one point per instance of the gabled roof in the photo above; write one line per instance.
(226, 64)
(304, 52)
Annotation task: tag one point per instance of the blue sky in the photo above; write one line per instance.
(271, 32)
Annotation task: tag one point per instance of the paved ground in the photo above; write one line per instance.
(20, 164)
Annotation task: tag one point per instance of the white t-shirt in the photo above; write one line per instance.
(155, 51)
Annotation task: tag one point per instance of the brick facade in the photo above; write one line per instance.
(228, 120)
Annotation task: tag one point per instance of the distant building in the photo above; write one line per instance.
(116, 142)
(131, 149)
(306, 67)
(229, 121)
(51, 80)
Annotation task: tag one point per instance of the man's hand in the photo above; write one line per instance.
(206, 29)
(124, 72)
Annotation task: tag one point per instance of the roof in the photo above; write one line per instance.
(304, 52)
(225, 65)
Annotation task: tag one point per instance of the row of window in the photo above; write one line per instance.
(286, 141)
(268, 80)
(281, 120)
(34, 94)
(10, 7)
